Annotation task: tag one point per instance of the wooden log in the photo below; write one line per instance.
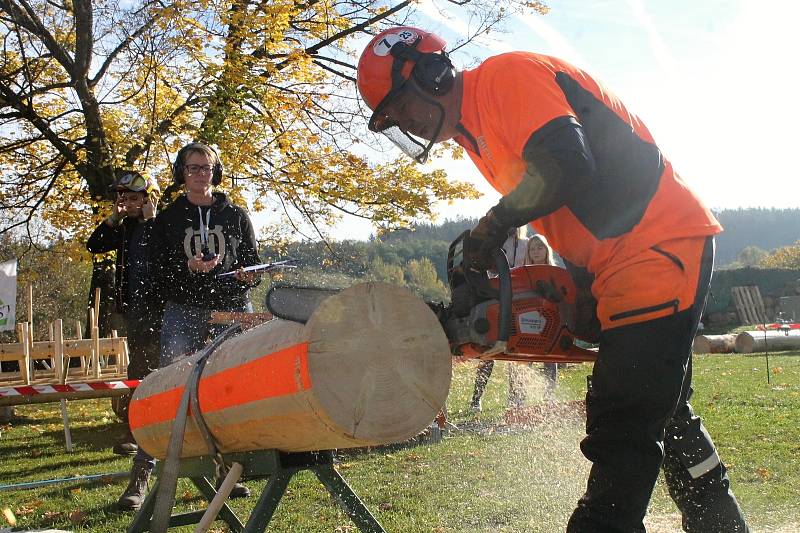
(371, 366)
(759, 341)
(714, 343)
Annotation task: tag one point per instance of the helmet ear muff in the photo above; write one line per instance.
(434, 73)
(177, 166)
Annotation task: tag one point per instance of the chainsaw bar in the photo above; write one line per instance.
(296, 303)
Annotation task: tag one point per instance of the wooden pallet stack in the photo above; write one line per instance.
(749, 305)
(49, 361)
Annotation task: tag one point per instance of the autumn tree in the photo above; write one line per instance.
(750, 256)
(785, 257)
(90, 86)
(421, 277)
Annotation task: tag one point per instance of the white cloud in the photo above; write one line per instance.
(739, 134)
(557, 44)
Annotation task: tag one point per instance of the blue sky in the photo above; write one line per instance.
(713, 80)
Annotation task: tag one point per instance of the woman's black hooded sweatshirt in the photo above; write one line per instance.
(181, 231)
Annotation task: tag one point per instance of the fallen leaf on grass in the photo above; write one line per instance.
(52, 515)
(9, 517)
(76, 517)
(764, 473)
(385, 506)
(29, 507)
(777, 370)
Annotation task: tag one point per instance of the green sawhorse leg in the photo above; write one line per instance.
(141, 521)
(279, 468)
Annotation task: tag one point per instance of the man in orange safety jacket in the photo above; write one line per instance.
(572, 161)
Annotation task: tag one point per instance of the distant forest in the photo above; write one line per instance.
(764, 228)
(412, 255)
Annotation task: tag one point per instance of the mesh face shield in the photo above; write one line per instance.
(411, 120)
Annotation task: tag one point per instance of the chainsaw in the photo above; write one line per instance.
(522, 314)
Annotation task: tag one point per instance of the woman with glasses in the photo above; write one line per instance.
(198, 236)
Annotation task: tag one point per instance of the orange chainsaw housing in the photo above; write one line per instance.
(542, 315)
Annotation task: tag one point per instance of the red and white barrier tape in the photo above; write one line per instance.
(35, 390)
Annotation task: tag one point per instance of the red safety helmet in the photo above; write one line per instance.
(392, 58)
(375, 64)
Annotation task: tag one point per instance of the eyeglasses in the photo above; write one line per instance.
(197, 169)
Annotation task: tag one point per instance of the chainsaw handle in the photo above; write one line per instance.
(504, 277)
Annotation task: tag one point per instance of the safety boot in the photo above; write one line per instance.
(238, 490)
(133, 497)
(475, 405)
(126, 446)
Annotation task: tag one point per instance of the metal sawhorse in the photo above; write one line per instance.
(278, 467)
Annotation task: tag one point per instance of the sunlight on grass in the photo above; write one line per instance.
(485, 476)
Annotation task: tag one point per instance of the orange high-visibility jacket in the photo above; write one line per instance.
(629, 220)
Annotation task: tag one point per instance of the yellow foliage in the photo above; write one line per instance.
(786, 257)
(244, 76)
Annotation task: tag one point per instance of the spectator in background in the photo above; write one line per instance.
(137, 311)
(514, 247)
(538, 252)
(200, 235)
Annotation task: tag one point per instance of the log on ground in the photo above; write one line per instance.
(759, 341)
(714, 343)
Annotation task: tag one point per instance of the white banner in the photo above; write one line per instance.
(8, 295)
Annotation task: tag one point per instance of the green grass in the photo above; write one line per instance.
(484, 478)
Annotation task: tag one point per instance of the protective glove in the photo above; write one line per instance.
(487, 236)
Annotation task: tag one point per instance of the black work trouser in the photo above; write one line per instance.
(143, 336)
(638, 419)
(482, 376)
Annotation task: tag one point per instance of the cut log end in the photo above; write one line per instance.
(379, 360)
